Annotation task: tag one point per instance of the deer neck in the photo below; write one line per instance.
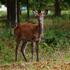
(40, 26)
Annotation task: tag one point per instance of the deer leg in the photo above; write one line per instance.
(16, 50)
(32, 49)
(23, 49)
(37, 49)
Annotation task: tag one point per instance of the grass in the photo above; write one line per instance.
(2, 13)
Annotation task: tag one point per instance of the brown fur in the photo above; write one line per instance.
(27, 32)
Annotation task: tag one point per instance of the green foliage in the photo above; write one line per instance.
(3, 1)
(6, 54)
(57, 38)
(67, 2)
(5, 33)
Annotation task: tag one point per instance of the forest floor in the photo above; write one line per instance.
(35, 66)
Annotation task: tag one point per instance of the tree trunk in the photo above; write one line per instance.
(57, 8)
(12, 12)
(27, 9)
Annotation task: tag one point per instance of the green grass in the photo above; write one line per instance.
(2, 14)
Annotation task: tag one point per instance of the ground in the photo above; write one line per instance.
(35, 66)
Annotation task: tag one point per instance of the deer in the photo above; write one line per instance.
(29, 32)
